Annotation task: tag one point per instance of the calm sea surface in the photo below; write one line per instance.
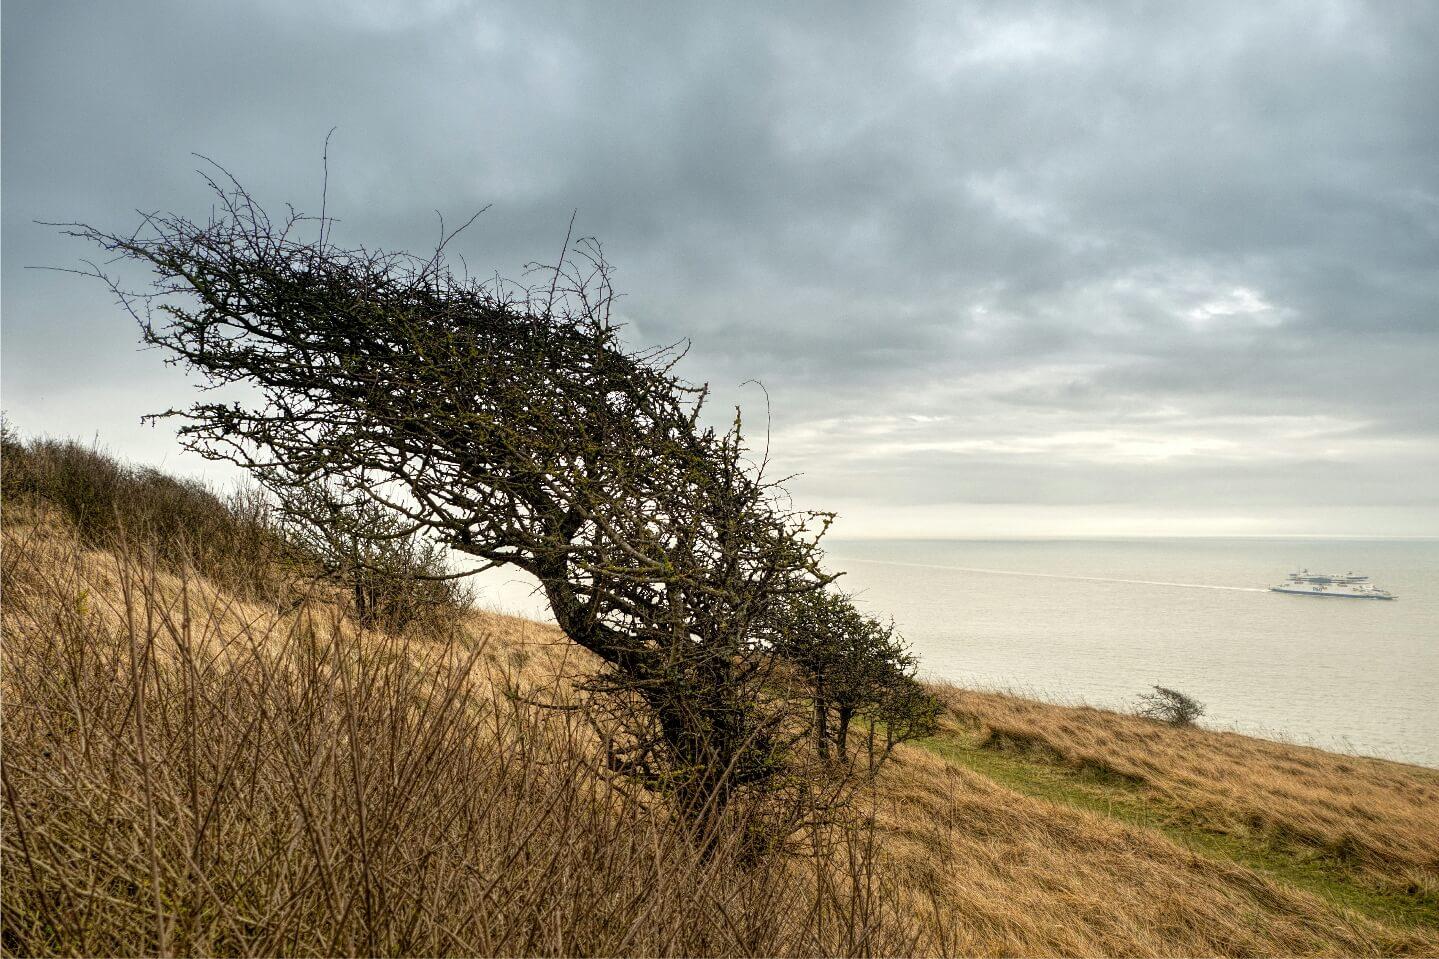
(1357, 676)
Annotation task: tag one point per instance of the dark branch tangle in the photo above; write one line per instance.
(515, 428)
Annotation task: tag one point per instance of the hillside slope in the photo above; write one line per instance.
(190, 770)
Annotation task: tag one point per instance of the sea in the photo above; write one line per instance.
(1101, 621)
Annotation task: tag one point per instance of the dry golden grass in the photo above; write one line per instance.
(186, 772)
(1024, 876)
(1383, 816)
(983, 870)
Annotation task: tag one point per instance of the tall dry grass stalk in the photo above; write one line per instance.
(187, 774)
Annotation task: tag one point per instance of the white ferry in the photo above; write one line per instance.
(1348, 586)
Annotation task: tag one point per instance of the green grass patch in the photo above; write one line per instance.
(1099, 791)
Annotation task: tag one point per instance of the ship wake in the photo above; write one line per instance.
(1087, 579)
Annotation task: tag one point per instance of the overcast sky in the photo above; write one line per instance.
(1003, 268)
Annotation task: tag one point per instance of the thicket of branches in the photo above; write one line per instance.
(394, 575)
(513, 425)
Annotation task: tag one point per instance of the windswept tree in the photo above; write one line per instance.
(806, 634)
(393, 573)
(1170, 706)
(855, 666)
(510, 424)
(905, 711)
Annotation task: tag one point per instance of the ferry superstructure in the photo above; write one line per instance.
(1348, 586)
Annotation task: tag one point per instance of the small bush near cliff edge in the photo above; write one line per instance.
(1170, 706)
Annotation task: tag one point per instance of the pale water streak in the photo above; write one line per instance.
(1099, 621)
(1092, 579)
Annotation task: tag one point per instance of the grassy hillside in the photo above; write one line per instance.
(199, 761)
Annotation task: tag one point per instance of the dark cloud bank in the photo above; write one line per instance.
(1003, 268)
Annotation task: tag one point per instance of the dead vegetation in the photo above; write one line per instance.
(231, 539)
(186, 773)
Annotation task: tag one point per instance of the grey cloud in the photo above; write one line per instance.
(1016, 219)
(936, 479)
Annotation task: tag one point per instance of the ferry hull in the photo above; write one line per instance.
(1315, 592)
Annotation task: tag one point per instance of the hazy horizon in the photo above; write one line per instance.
(1040, 270)
(1095, 621)
(1136, 536)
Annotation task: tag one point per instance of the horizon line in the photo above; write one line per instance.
(1000, 537)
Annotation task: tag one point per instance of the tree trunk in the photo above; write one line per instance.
(821, 723)
(704, 753)
(846, 714)
(362, 610)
